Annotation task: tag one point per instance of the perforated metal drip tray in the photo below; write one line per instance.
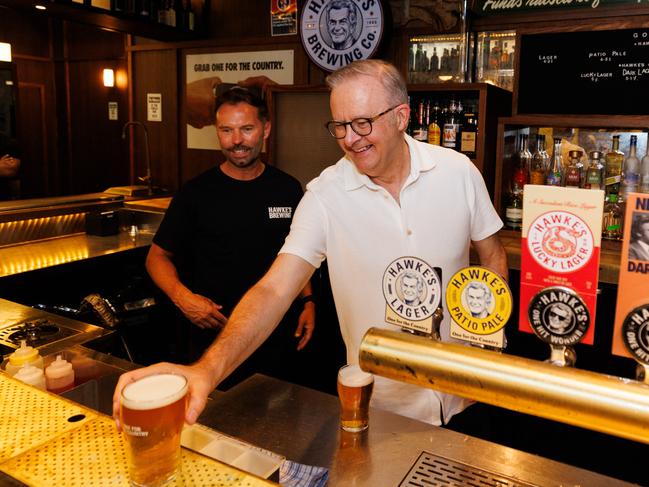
(434, 470)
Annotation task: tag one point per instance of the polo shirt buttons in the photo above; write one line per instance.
(408, 232)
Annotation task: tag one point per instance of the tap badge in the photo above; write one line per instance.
(479, 300)
(413, 291)
(559, 316)
(560, 241)
(336, 32)
(635, 333)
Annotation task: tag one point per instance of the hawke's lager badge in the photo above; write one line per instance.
(480, 303)
(635, 335)
(559, 317)
(413, 292)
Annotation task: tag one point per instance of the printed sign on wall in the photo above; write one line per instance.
(631, 331)
(562, 230)
(206, 71)
(283, 17)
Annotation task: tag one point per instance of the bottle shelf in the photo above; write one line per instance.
(110, 20)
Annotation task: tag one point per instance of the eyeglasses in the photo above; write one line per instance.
(558, 316)
(361, 126)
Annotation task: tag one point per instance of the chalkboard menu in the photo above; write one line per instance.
(596, 72)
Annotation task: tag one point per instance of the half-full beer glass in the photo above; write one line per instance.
(354, 392)
(152, 416)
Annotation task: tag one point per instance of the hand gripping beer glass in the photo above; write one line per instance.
(152, 415)
(354, 393)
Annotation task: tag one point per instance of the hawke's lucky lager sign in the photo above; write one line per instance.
(560, 249)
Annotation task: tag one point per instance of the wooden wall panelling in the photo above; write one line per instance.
(36, 127)
(157, 72)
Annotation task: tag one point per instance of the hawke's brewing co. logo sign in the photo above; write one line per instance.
(560, 241)
(336, 32)
(412, 290)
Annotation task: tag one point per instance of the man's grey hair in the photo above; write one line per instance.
(386, 73)
(481, 287)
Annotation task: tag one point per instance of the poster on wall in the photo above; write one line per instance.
(283, 17)
(631, 330)
(206, 71)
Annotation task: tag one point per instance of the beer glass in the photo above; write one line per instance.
(354, 393)
(152, 415)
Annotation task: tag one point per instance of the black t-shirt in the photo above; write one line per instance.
(225, 233)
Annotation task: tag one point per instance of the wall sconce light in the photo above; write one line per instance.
(109, 78)
(5, 52)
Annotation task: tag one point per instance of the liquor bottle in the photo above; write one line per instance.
(614, 159)
(162, 12)
(644, 173)
(118, 6)
(434, 61)
(144, 8)
(171, 13)
(451, 126)
(469, 134)
(504, 57)
(539, 161)
(612, 219)
(554, 177)
(525, 156)
(514, 210)
(435, 125)
(595, 172)
(520, 174)
(420, 130)
(630, 170)
(573, 173)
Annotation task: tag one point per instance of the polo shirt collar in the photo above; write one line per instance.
(418, 163)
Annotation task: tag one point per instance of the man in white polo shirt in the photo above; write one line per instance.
(390, 205)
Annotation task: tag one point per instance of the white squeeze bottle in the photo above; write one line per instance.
(31, 375)
(59, 375)
(22, 356)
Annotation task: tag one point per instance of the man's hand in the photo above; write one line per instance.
(305, 325)
(200, 101)
(199, 378)
(198, 309)
(9, 166)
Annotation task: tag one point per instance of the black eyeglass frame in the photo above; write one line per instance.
(331, 125)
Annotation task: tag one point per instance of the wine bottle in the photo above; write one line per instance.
(539, 162)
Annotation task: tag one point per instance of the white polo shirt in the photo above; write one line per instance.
(361, 230)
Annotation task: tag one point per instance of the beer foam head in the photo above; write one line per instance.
(353, 376)
(154, 391)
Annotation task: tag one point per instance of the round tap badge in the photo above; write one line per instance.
(412, 290)
(560, 241)
(336, 32)
(635, 333)
(479, 300)
(559, 316)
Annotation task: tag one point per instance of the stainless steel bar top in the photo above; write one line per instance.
(302, 425)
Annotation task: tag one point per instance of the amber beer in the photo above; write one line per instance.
(152, 418)
(354, 392)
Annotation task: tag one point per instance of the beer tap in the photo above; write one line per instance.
(146, 178)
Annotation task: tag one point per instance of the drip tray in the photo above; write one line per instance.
(434, 470)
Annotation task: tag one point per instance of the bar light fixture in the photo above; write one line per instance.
(109, 78)
(5, 52)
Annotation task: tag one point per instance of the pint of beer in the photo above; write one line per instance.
(152, 416)
(354, 392)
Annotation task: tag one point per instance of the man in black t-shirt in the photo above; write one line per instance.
(222, 232)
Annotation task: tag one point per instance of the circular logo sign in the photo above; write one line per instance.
(412, 288)
(559, 316)
(337, 32)
(560, 241)
(635, 333)
(479, 300)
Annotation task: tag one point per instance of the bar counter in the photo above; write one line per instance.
(302, 425)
